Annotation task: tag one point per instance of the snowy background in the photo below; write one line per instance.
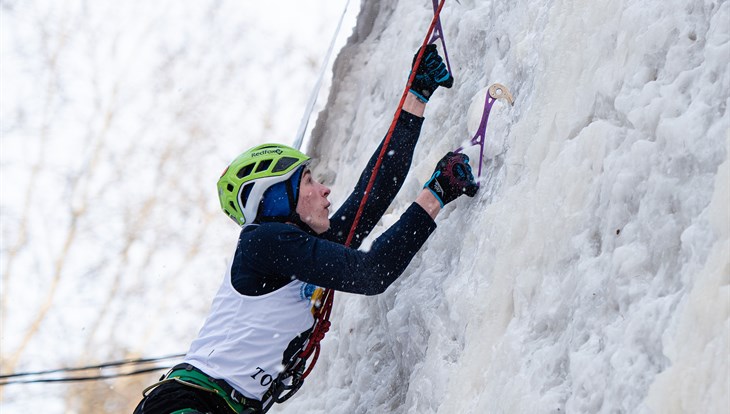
(590, 274)
(117, 120)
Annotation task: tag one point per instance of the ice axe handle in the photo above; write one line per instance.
(438, 33)
(496, 91)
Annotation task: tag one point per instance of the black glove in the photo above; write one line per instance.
(452, 178)
(430, 74)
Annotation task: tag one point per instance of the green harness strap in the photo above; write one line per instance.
(200, 381)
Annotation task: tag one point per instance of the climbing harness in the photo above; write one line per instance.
(190, 376)
(496, 91)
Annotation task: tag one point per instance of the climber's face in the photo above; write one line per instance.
(312, 205)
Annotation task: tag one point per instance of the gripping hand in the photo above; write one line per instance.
(452, 178)
(430, 74)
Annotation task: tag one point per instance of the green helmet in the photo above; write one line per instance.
(243, 183)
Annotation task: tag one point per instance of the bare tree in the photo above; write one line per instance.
(124, 116)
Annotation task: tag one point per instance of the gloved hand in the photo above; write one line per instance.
(430, 74)
(452, 178)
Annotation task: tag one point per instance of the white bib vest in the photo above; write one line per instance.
(244, 337)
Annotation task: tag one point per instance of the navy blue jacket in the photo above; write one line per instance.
(271, 255)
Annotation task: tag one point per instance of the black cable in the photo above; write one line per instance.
(138, 361)
(89, 378)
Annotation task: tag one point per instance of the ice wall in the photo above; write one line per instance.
(592, 271)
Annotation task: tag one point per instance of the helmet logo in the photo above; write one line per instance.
(277, 151)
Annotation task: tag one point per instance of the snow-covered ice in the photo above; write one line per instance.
(592, 271)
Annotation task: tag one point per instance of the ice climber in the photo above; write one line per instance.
(289, 249)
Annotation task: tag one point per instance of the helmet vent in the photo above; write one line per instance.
(263, 165)
(245, 171)
(233, 206)
(229, 187)
(284, 163)
(244, 194)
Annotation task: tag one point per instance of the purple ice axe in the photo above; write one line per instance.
(496, 91)
(438, 33)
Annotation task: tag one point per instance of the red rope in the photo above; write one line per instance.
(321, 317)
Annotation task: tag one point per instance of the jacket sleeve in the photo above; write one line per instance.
(294, 254)
(389, 179)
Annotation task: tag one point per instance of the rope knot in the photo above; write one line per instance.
(325, 326)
